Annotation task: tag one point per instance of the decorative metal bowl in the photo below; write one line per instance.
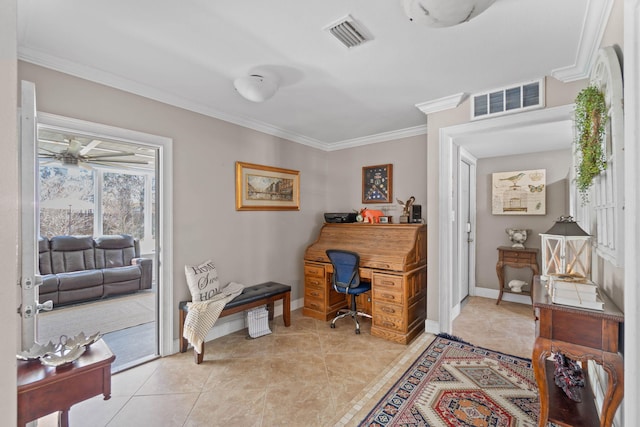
(62, 358)
(82, 340)
(36, 351)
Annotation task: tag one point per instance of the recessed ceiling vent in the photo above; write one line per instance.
(348, 31)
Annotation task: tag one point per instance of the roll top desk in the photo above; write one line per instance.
(393, 257)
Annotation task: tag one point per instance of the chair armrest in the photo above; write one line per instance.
(146, 266)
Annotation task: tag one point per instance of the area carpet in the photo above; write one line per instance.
(453, 383)
(102, 316)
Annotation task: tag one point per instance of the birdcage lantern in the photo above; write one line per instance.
(566, 250)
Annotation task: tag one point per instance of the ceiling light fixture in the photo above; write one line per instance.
(256, 87)
(444, 13)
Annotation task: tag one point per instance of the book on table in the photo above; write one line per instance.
(576, 292)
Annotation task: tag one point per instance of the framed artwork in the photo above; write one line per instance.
(377, 184)
(266, 188)
(519, 192)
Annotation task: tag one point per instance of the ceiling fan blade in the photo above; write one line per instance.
(98, 156)
(109, 161)
(50, 151)
(90, 146)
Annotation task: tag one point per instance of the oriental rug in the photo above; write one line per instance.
(453, 383)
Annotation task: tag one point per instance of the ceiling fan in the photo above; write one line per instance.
(77, 154)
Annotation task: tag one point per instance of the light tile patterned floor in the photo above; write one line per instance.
(307, 374)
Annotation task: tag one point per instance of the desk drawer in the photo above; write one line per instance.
(314, 283)
(389, 316)
(387, 295)
(314, 293)
(387, 281)
(313, 303)
(314, 270)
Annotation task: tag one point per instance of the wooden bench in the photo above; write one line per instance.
(252, 296)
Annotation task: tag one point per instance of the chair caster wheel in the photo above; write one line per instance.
(333, 326)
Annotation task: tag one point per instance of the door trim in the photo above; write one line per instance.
(164, 146)
(449, 145)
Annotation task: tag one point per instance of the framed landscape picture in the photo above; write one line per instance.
(266, 188)
(519, 192)
(377, 184)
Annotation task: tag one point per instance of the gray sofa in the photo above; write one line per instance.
(83, 268)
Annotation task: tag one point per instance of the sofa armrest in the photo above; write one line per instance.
(146, 266)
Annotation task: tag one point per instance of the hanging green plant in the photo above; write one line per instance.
(591, 118)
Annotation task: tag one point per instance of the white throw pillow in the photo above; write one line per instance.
(202, 281)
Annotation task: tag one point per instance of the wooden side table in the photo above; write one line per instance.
(44, 389)
(516, 258)
(581, 335)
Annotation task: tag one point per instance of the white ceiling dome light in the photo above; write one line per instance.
(444, 13)
(256, 87)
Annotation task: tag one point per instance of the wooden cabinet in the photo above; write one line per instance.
(581, 335)
(392, 257)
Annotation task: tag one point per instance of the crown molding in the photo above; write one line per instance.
(595, 22)
(441, 104)
(379, 137)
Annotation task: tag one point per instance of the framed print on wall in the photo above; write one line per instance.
(266, 188)
(519, 192)
(377, 184)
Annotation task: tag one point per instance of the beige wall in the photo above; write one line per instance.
(247, 247)
(9, 219)
(408, 157)
(490, 229)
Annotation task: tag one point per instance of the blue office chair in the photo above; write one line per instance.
(346, 280)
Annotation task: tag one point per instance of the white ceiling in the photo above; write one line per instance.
(188, 54)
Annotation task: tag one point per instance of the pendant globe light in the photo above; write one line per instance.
(444, 13)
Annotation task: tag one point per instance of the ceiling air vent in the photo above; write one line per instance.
(348, 32)
(512, 99)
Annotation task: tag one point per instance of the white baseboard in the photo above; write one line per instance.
(432, 326)
(511, 297)
(236, 322)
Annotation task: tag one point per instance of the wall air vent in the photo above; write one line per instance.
(508, 100)
(348, 32)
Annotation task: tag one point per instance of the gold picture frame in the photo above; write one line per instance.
(377, 184)
(266, 188)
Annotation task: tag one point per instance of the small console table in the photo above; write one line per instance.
(581, 335)
(44, 389)
(516, 258)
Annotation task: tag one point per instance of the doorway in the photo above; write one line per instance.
(472, 137)
(160, 222)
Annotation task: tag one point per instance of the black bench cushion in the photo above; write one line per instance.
(251, 294)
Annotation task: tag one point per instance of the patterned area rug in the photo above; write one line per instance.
(453, 383)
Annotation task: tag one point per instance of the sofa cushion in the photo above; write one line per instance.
(121, 274)
(72, 253)
(79, 280)
(114, 251)
(44, 256)
(49, 284)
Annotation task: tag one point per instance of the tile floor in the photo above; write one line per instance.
(304, 375)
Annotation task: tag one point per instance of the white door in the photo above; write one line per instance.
(466, 223)
(29, 277)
